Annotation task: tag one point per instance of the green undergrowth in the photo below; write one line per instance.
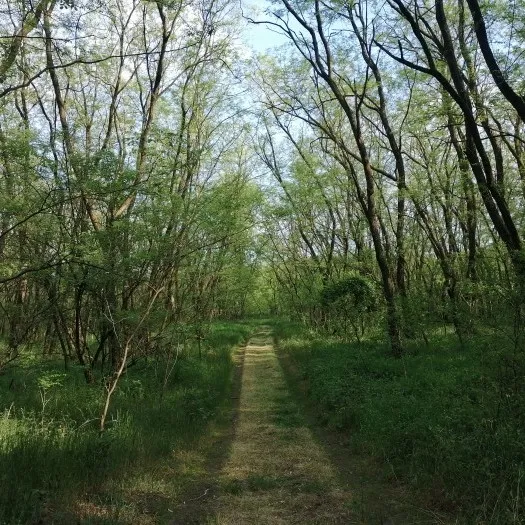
(51, 453)
(448, 420)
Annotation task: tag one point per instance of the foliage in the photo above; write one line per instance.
(355, 288)
(444, 420)
(350, 302)
(52, 454)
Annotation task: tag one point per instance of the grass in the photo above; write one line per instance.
(446, 420)
(276, 472)
(284, 469)
(56, 468)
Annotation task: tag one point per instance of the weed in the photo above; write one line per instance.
(51, 453)
(441, 418)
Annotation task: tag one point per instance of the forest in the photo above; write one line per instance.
(170, 190)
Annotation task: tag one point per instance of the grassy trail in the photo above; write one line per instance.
(276, 472)
(282, 469)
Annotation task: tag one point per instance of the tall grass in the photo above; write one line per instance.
(50, 447)
(445, 419)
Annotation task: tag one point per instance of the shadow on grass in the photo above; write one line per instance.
(381, 498)
(147, 467)
(199, 501)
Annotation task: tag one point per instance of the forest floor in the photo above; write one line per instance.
(274, 465)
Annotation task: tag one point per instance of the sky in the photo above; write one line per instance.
(259, 36)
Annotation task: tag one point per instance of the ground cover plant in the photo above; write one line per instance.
(446, 419)
(55, 466)
(365, 177)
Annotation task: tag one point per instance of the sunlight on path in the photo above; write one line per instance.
(276, 473)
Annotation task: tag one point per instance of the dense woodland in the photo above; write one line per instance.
(364, 179)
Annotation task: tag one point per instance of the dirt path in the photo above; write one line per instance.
(276, 472)
(272, 464)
